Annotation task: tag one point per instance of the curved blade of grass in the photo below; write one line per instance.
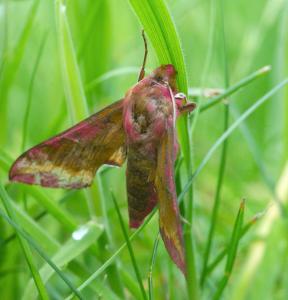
(71, 76)
(31, 242)
(81, 239)
(230, 130)
(152, 263)
(113, 257)
(158, 23)
(24, 245)
(131, 252)
(236, 87)
(232, 251)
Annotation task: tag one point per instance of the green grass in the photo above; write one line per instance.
(61, 61)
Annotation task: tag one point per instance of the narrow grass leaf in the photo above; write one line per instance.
(236, 87)
(224, 252)
(232, 251)
(152, 263)
(131, 252)
(228, 132)
(73, 87)
(31, 242)
(24, 245)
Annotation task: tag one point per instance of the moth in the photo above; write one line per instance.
(139, 128)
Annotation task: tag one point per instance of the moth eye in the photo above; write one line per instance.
(158, 78)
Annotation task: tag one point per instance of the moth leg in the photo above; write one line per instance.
(142, 71)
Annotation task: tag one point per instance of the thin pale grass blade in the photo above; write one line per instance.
(152, 263)
(106, 246)
(232, 251)
(73, 87)
(236, 87)
(24, 245)
(131, 252)
(81, 239)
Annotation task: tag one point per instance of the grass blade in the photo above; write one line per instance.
(232, 251)
(131, 252)
(230, 130)
(152, 263)
(73, 87)
(113, 257)
(235, 88)
(25, 246)
(158, 23)
(41, 253)
(223, 158)
(81, 239)
(222, 254)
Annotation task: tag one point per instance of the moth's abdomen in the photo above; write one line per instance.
(141, 165)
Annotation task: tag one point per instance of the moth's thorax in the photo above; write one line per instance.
(148, 110)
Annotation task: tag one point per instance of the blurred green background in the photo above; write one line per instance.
(100, 45)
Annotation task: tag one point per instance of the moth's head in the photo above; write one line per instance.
(165, 74)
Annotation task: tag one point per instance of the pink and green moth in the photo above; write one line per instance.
(140, 128)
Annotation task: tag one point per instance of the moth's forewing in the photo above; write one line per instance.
(70, 159)
(169, 220)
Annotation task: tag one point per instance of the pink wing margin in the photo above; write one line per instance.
(71, 159)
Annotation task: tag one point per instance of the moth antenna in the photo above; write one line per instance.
(142, 71)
